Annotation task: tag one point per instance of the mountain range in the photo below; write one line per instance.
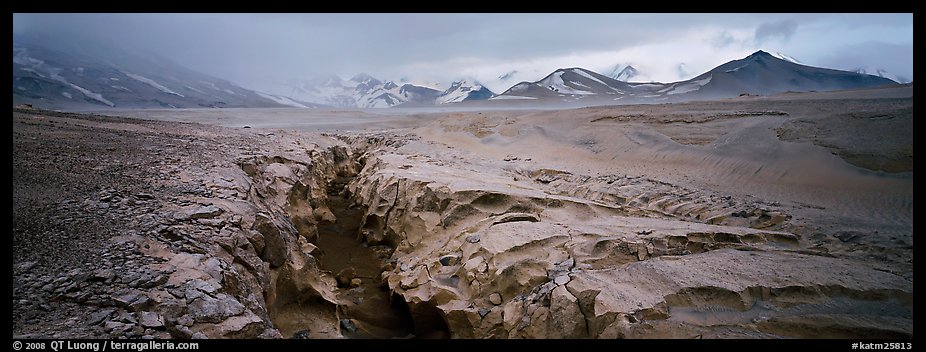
(93, 76)
(365, 91)
(758, 74)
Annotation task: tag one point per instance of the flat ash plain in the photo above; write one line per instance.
(757, 217)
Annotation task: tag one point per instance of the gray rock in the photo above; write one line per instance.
(171, 309)
(185, 320)
(301, 335)
(100, 316)
(270, 333)
(124, 298)
(69, 288)
(209, 211)
(141, 303)
(180, 332)
(207, 309)
(196, 288)
(483, 312)
(25, 266)
(348, 325)
(192, 294)
(127, 318)
(213, 267)
(149, 281)
(199, 336)
(150, 320)
(102, 274)
(128, 277)
(495, 298)
(473, 238)
(562, 279)
(114, 327)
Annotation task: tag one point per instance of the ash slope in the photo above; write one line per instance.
(85, 75)
(680, 220)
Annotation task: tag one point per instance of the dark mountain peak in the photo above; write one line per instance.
(573, 69)
(761, 53)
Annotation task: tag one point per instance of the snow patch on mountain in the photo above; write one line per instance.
(512, 97)
(154, 84)
(787, 57)
(691, 86)
(282, 100)
(95, 96)
(556, 83)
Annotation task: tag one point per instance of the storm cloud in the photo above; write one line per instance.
(259, 50)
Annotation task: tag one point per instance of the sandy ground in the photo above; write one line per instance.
(785, 216)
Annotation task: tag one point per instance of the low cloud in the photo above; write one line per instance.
(781, 29)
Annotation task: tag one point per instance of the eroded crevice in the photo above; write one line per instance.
(366, 307)
(326, 256)
(476, 282)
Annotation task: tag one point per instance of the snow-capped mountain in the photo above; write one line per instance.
(623, 74)
(759, 73)
(464, 90)
(100, 76)
(763, 73)
(365, 91)
(361, 91)
(567, 82)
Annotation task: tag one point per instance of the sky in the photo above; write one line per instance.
(265, 51)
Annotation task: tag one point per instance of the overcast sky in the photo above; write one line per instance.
(261, 50)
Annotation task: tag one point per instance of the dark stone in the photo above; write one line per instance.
(301, 335)
(348, 325)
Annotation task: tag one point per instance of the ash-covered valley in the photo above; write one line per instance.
(753, 217)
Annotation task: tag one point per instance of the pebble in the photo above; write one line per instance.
(483, 312)
(495, 298)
